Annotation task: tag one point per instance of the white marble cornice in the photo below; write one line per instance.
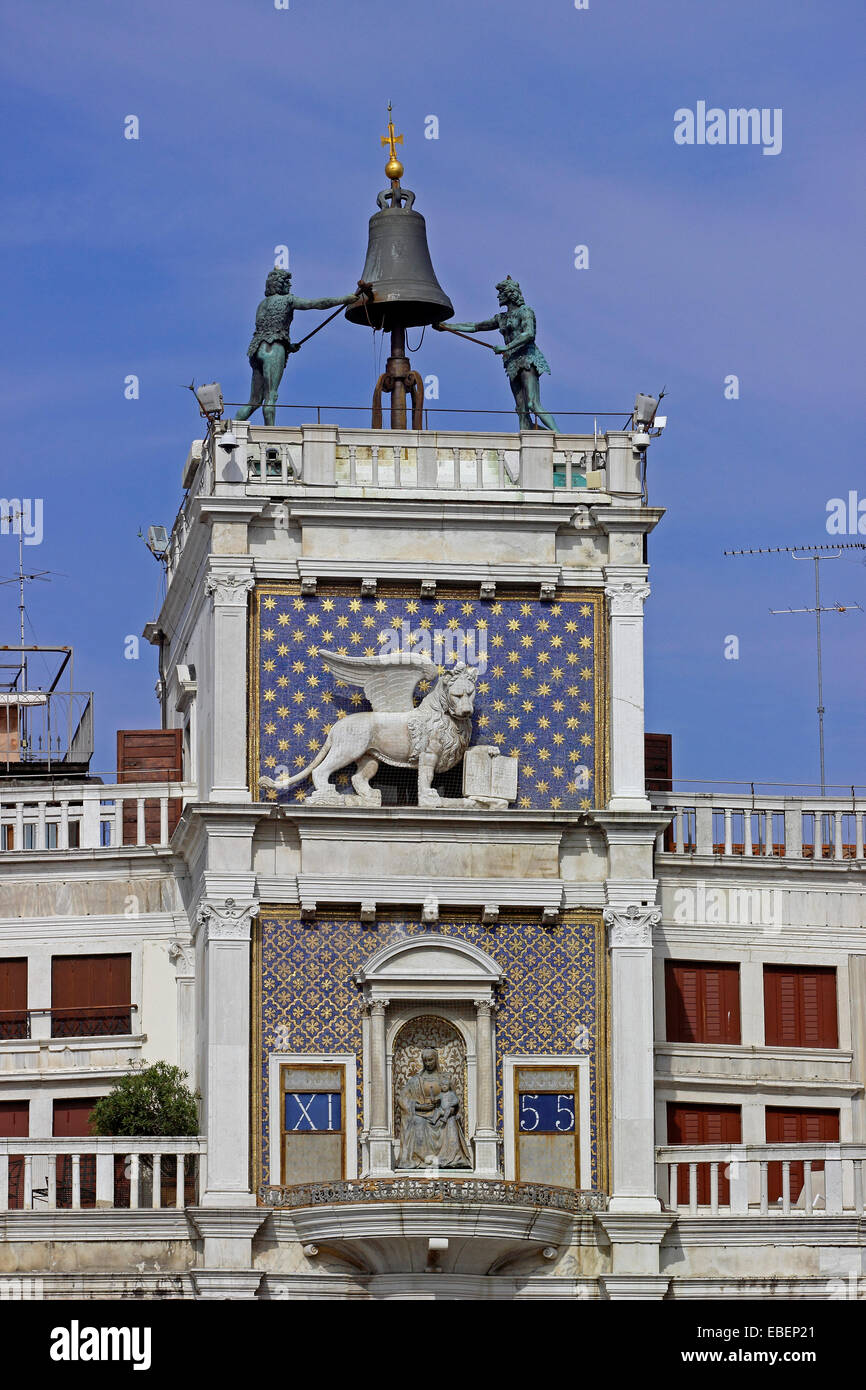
(528, 894)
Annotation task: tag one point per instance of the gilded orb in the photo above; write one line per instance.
(394, 169)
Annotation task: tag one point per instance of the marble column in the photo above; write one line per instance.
(625, 599)
(380, 1149)
(486, 1147)
(225, 1084)
(633, 1183)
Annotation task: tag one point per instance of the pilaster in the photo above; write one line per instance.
(225, 1083)
(626, 591)
(229, 588)
(632, 1087)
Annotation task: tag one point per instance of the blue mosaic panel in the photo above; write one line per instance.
(536, 697)
(310, 1003)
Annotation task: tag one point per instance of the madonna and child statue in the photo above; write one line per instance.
(431, 1124)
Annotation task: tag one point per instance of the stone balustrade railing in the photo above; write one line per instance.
(101, 1173)
(762, 1179)
(465, 1191)
(267, 458)
(244, 461)
(743, 826)
(66, 816)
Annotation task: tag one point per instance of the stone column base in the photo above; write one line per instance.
(635, 1206)
(486, 1155)
(227, 1237)
(226, 1283)
(645, 1286)
(380, 1157)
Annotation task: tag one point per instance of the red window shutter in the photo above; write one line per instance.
(681, 1000)
(14, 1119)
(71, 1118)
(71, 1121)
(702, 1002)
(13, 998)
(15, 1124)
(800, 1006)
(149, 755)
(788, 1126)
(703, 1124)
(90, 995)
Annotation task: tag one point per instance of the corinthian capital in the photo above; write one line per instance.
(229, 590)
(631, 926)
(182, 956)
(228, 920)
(626, 599)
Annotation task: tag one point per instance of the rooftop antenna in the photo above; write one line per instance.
(812, 552)
(15, 519)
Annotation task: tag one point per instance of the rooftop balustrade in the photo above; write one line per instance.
(757, 825)
(38, 816)
(343, 461)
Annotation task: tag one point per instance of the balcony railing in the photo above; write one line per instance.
(100, 1173)
(41, 728)
(14, 1023)
(56, 816)
(762, 1179)
(756, 826)
(108, 1020)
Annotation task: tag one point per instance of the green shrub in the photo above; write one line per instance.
(152, 1101)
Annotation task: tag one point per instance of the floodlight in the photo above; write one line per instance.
(210, 398)
(157, 541)
(645, 408)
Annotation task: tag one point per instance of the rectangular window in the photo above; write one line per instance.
(312, 1123)
(15, 1124)
(90, 996)
(546, 1128)
(703, 1124)
(14, 1019)
(800, 1006)
(71, 1121)
(702, 1002)
(787, 1126)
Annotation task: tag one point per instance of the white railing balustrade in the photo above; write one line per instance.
(762, 1179)
(101, 1173)
(270, 458)
(63, 816)
(762, 827)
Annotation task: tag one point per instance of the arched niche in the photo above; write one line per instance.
(429, 976)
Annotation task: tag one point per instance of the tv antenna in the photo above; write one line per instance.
(813, 552)
(16, 520)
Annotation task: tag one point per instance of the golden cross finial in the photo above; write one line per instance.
(393, 168)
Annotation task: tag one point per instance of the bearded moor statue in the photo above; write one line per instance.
(271, 345)
(432, 737)
(522, 357)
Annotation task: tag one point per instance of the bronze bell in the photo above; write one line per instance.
(406, 293)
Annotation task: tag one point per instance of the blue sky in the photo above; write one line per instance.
(261, 127)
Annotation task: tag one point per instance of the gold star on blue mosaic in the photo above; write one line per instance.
(537, 696)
